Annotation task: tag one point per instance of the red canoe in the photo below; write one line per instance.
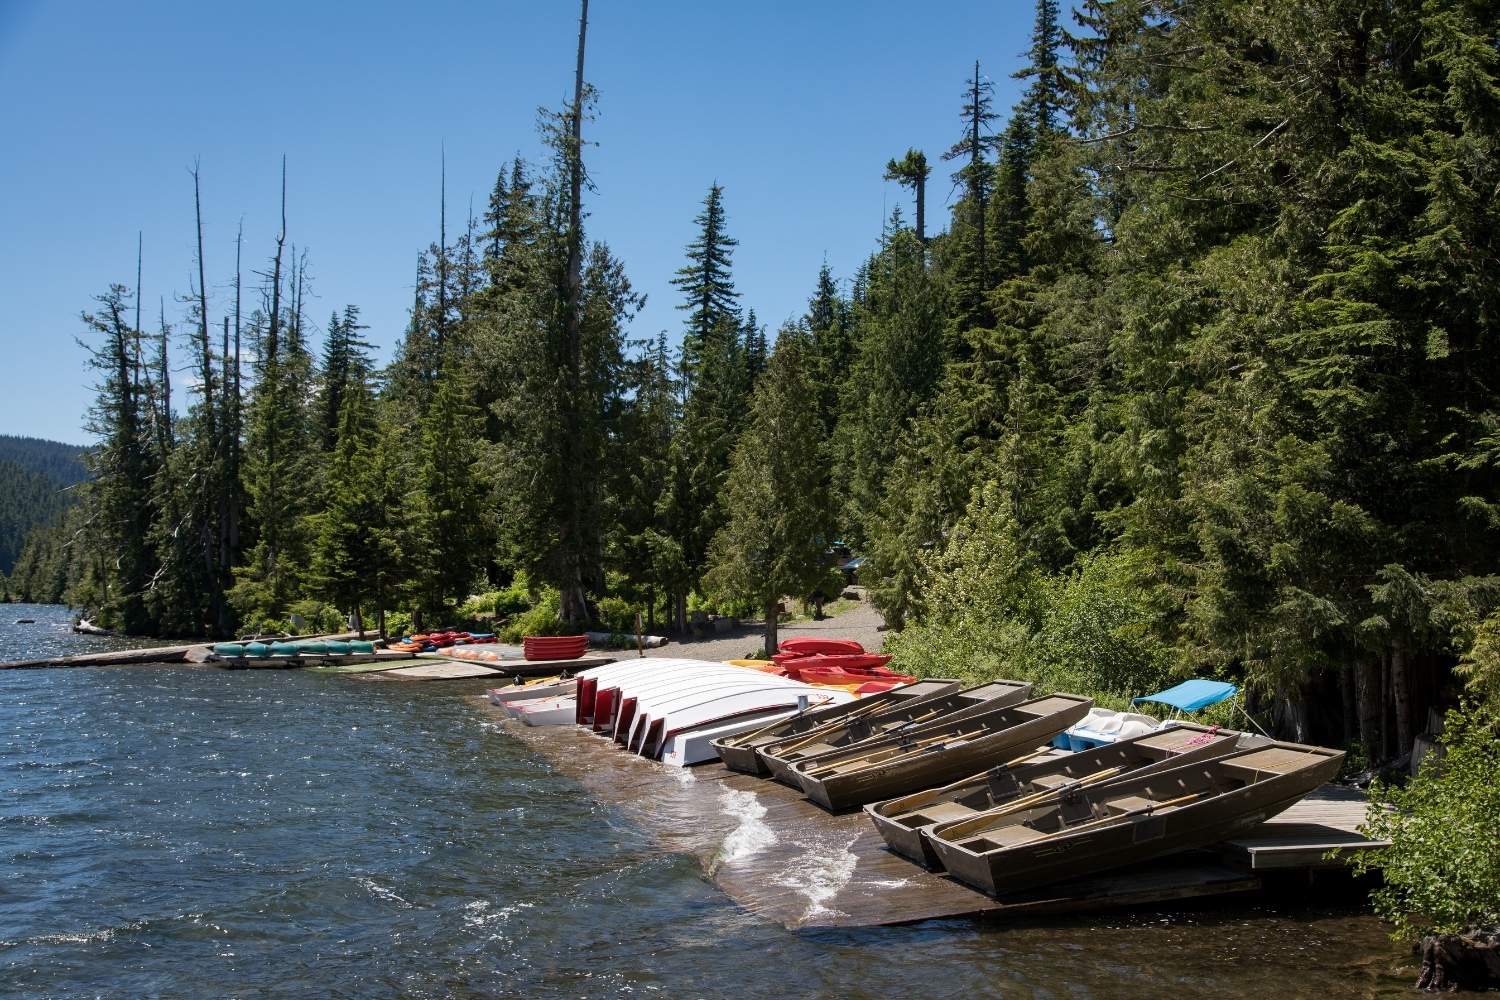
(807, 645)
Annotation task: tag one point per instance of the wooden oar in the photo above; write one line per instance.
(902, 749)
(844, 722)
(937, 793)
(818, 732)
(1031, 799)
(982, 819)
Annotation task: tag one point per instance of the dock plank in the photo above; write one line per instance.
(1326, 820)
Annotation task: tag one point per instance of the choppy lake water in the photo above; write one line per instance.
(190, 832)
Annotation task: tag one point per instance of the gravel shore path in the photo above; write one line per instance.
(861, 623)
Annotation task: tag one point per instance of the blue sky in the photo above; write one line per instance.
(793, 107)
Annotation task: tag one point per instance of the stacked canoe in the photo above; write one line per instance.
(554, 647)
(292, 653)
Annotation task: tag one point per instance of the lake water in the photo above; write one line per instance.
(190, 832)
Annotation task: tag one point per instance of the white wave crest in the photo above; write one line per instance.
(820, 874)
(752, 835)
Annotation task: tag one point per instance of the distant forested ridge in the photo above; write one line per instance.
(1197, 377)
(35, 476)
(62, 463)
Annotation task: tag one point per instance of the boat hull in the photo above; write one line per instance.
(1127, 839)
(742, 754)
(905, 823)
(934, 754)
(781, 757)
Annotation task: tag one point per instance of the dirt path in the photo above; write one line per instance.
(861, 623)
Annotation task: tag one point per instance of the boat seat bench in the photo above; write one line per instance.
(938, 812)
(1008, 836)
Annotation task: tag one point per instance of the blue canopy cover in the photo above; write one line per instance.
(1192, 695)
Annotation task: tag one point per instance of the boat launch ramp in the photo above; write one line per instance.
(784, 858)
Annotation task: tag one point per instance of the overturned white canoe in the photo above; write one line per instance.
(631, 700)
(696, 746)
(610, 675)
(637, 702)
(661, 721)
(611, 693)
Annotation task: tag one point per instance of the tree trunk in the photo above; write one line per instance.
(771, 626)
(416, 621)
(679, 613)
(1351, 707)
(359, 621)
(1401, 698)
(1385, 708)
(1367, 688)
(922, 210)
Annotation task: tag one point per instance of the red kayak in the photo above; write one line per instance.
(838, 675)
(841, 661)
(807, 645)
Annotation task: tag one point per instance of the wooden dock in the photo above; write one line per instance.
(1302, 837)
(779, 856)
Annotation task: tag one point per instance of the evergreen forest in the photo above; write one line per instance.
(1191, 377)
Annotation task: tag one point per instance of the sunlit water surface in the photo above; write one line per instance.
(190, 832)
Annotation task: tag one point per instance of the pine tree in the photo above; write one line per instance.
(448, 520)
(119, 495)
(971, 265)
(912, 171)
(344, 539)
(707, 285)
(899, 359)
(830, 326)
(776, 531)
(346, 362)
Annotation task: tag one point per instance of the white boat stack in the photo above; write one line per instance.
(669, 709)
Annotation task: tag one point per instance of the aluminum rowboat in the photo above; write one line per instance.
(904, 822)
(935, 754)
(781, 756)
(1128, 822)
(739, 752)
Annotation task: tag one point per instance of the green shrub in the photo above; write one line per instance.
(990, 612)
(321, 618)
(618, 615)
(1442, 870)
(398, 623)
(541, 619)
